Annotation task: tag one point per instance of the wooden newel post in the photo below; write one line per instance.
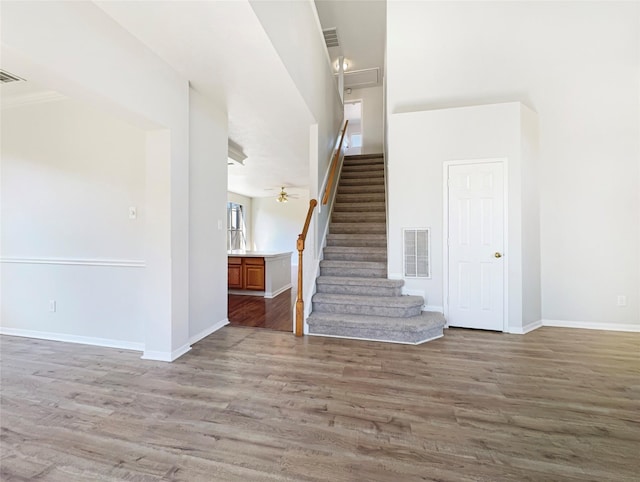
(300, 300)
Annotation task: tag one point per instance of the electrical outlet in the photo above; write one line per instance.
(52, 306)
(133, 212)
(622, 300)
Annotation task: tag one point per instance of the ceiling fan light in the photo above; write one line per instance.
(283, 196)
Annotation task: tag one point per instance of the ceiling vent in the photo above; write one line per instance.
(6, 77)
(331, 37)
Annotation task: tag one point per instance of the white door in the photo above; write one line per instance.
(475, 246)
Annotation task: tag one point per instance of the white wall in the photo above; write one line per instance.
(74, 48)
(372, 117)
(576, 65)
(207, 210)
(69, 175)
(276, 226)
(247, 203)
(465, 133)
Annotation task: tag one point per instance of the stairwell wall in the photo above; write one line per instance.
(295, 31)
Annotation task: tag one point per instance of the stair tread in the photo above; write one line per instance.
(355, 249)
(354, 281)
(370, 207)
(358, 218)
(365, 224)
(430, 319)
(330, 263)
(388, 301)
(357, 239)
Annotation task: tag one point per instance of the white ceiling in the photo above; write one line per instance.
(361, 26)
(226, 55)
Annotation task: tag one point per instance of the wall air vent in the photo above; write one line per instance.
(331, 37)
(6, 77)
(416, 253)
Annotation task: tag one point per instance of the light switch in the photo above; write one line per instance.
(133, 212)
(219, 223)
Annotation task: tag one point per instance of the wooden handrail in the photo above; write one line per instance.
(300, 246)
(334, 166)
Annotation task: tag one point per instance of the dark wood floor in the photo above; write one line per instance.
(256, 311)
(251, 405)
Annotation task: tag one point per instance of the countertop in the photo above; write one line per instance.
(258, 254)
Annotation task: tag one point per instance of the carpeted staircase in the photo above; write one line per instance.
(354, 298)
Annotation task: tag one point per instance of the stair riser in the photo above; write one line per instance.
(348, 309)
(353, 241)
(354, 272)
(363, 217)
(360, 198)
(360, 189)
(361, 175)
(363, 171)
(355, 228)
(358, 290)
(357, 162)
(377, 207)
(362, 181)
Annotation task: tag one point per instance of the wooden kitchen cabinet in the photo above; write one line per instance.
(234, 274)
(254, 274)
(246, 273)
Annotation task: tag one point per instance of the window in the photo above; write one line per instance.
(416, 253)
(236, 238)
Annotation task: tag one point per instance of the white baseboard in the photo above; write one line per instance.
(273, 294)
(212, 329)
(166, 356)
(526, 328)
(438, 309)
(263, 294)
(175, 354)
(588, 325)
(84, 340)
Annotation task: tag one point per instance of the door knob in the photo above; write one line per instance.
(498, 255)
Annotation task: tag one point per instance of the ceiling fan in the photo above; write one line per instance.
(283, 196)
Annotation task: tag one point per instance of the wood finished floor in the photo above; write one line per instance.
(256, 311)
(251, 405)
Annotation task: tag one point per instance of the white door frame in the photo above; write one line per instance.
(445, 234)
